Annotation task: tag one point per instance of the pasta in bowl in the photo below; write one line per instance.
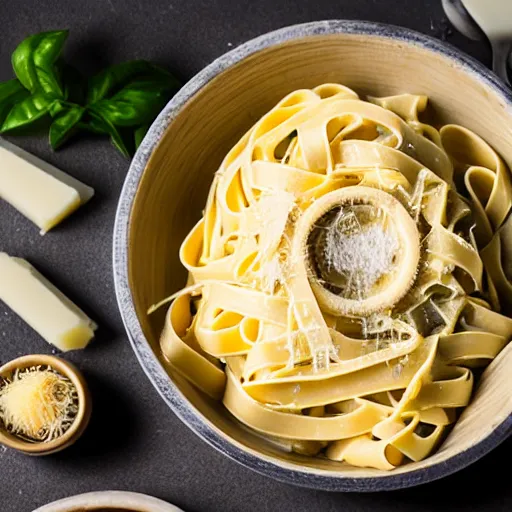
(336, 292)
(367, 237)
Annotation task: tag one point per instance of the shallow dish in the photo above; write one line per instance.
(171, 173)
(109, 501)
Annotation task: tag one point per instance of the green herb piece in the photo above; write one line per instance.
(139, 134)
(136, 103)
(28, 111)
(34, 61)
(129, 95)
(99, 124)
(65, 125)
(11, 93)
(110, 80)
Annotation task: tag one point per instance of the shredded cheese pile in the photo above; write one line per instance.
(356, 255)
(38, 404)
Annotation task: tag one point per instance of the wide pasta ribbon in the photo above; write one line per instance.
(346, 277)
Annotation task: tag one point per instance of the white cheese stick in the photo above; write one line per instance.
(40, 191)
(47, 310)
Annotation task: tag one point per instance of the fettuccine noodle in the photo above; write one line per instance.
(347, 275)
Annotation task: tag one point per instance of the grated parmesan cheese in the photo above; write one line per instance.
(38, 404)
(358, 253)
(269, 221)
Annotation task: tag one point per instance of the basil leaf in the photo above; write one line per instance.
(28, 111)
(139, 134)
(98, 124)
(92, 126)
(137, 103)
(34, 60)
(10, 88)
(126, 96)
(65, 125)
(57, 107)
(108, 81)
(11, 93)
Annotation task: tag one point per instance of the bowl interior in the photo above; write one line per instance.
(173, 188)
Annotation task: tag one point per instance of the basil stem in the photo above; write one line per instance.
(99, 124)
(139, 134)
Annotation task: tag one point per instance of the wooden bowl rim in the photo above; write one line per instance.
(81, 420)
(281, 470)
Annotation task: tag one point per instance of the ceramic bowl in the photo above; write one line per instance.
(109, 501)
(166, 189)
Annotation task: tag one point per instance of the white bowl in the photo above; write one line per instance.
(119, 501)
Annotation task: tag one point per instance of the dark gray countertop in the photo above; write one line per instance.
(134, 441)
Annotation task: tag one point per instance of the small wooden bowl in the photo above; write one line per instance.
(169, 178)
(81, 420)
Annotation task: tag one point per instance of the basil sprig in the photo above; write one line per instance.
(120, 101)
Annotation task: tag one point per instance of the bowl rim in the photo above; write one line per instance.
(288, 472)
(109, 499)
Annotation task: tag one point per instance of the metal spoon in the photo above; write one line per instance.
(462, 20)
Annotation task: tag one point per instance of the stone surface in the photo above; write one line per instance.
(134, 441)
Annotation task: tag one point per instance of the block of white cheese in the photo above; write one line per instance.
(47, 310)
(40, 191)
